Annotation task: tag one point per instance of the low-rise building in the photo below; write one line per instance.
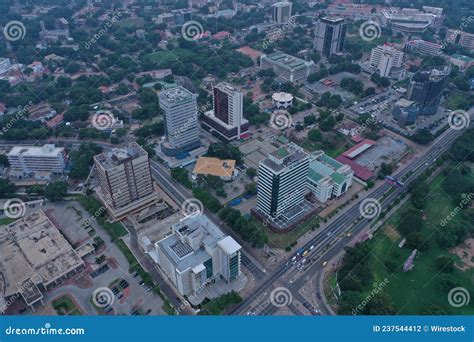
(40, 161)
(327, 178)
(224, 169)
(195, 254)
(287, 67)
(5, 65)
(463, 62)
(282, 100)
(423, 47)
(34, 257)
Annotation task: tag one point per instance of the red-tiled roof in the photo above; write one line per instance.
(358, 149)
(360, 171)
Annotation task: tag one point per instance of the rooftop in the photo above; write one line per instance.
(119, 156)
(47, 150)
(176, 95)
(287, 61)
(32, 248)
(214, 167)
(284, 157)
(358, 149)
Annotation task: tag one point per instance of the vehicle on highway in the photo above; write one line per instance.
(325, 263)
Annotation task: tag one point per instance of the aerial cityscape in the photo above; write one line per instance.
(236, 158)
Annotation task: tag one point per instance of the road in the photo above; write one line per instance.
(328, 242)
(178, 192)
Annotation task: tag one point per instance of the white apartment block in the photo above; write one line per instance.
(181, 121)
(282, 179)
(327, 178)
(38, 160)
(195, 254)
(126, 185)
(424, 47)
(384, 58)
(281, 12)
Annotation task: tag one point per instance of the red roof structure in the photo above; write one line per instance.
(359, 171)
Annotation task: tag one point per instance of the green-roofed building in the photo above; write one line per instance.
(287, 67)
(327, 178)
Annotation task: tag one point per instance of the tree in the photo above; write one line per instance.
(83, 159)
(445, 263)
(415, 240)
(315, 135)
(7, 188)
(251, 172)
(56, 191)
(224, 151)
(381, 304)
(4, 160)
(309, 120)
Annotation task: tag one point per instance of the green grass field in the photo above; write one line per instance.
(419, 288)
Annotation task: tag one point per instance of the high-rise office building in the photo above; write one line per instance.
(227, 117)
(330, 34)
(282, 180)
(181, 122)
(384, 58)
(126, 185)
(281, 12)
(426, 88)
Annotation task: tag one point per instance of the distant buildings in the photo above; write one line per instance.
(126, 185)
(226, 119)
(39, 161)
(461, 38)
(330, 35)
(426, 89)
(410, 20)
(327, 178)
(5, 65)
(282, 100)
(463, 62)
(423, 47)
(195, 254)
(384, 58)
(282, 181)
(61, 33)
(224, 169)
(181, 124)
(287, 67)
(34, 257)
(281, 12)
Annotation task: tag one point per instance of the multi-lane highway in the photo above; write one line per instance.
(327, 242)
